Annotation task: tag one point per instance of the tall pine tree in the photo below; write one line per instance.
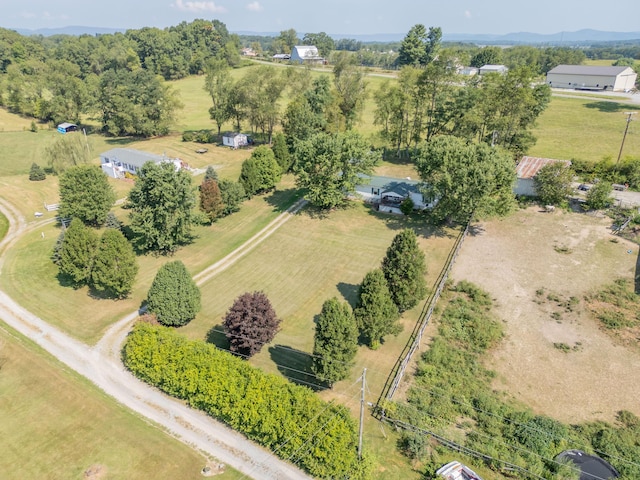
(404, 268)
(336, 342)
(114, 266)
(376, 313)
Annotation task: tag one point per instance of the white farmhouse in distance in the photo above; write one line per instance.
(306, 54)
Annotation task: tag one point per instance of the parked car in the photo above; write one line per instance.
(457, 471)
(584, 187)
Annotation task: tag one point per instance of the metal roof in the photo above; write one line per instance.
(528, 167)
(133, 157)
(589, 70)
(401, 186)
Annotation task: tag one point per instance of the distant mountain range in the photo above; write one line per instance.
(562, 38)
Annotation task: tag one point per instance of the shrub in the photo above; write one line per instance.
(36, 173)
(173, 297)
(250, 323)
(289, 419)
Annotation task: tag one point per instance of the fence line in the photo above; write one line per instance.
(397, 372)
(512, 467)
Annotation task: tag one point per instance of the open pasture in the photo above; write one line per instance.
(538, 267)
(587, 129)
(56, 425)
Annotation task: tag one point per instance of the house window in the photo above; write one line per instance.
(375, 191)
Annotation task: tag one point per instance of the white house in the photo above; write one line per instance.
(306, 54)
(387, 193)
(587, 77)
(467, 71)
(235, 140)
(118, 161)
(527, 169)
(492, 69)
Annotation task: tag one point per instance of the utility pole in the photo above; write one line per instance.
(364, 374)
(629, 115)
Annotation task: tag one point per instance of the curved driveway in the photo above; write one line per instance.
(102, 365)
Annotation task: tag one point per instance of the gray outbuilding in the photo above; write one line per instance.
(587, 77)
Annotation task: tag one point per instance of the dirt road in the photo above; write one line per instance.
(101, 365)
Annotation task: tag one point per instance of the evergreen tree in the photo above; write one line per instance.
(162, 201)
(173, 297)
(376, 313)
(112, 221)
(404, 268)
(233, 195)
(85, 193)
(210, 174)
(281, 152)
(335, 343)
(36, 173)
(250, 323)
(78, 251)
(260, 172)
(211, 199)
(57, 248)
(114, 265)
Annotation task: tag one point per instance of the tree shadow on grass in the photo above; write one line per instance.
(280, 200)
(217, 337)
(349, 292)
(420, 222)
(296, 366)
(122, 141)
(611, 107)
(637, 276)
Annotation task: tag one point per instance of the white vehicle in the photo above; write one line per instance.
(457, 471)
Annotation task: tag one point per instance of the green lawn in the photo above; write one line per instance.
(307, 261)
(4, 226)
(586, 129)
(56, 425)
(30, 277)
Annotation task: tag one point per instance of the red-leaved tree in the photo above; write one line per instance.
(250, 323)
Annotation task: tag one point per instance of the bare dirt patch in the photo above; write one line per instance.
(95, 472)
(532, 263)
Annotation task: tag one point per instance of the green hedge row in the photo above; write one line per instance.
(291, 420)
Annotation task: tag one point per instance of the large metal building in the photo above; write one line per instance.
(582, 77)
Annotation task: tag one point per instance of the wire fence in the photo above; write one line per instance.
(413, 344)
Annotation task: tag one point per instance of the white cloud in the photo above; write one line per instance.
(28, 15)
(198, 7)
(467, 13)
(255, 7)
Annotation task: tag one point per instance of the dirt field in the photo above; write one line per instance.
(555, 358)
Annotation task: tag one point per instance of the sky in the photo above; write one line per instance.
(355, 17)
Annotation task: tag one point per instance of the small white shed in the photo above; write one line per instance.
(235, 140)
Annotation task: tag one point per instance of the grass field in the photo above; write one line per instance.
(307, 261)
(30, 277)
(586, 129)
(56, 425)
(4, 226)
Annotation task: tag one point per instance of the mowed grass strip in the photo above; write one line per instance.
(56, 425)
(4, 226)
(30, 277)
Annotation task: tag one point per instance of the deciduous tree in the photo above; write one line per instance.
(350, 86)
(114, 265)
(173, 297)
(329, 165)
(250, 323)
(218, 84)
(600, 195)
(281, 152)
(67, 151)
(86, 193)
(465, 178)
(335, 342)
(161, 201)
(404, 269)
(553, 183)
(376, 313)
